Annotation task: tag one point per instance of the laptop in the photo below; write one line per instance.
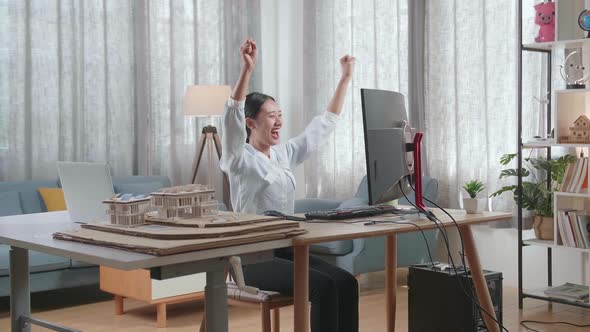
(85, 186)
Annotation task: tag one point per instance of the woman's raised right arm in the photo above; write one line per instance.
(248, 52)
(234, 120)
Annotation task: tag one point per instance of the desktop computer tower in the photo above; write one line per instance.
(436, 301)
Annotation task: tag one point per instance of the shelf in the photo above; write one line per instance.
(566, 194)
(550, 45)
(540, 295)
(551, 244)
(541, 145)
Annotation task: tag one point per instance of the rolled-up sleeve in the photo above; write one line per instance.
(312, 138)
(234, 136)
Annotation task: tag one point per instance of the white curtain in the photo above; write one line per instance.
(103, 81)
(471, 91)
(376, 33)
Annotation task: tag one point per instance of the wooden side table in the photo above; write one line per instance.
(138, 285)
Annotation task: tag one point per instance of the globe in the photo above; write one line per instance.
(584, 21)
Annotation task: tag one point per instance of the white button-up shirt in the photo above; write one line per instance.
(259, 183)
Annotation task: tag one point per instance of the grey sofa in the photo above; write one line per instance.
(368, 255)
(52, 272)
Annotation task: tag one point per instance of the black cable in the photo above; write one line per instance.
(549, 323)
(442, 229)
(407, 223)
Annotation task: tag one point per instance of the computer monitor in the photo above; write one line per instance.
(387, 138)
(85, 186)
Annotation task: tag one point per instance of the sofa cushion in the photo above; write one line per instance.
(53, 198)
(339, 247)
(10, 203)
(80, 264)
(30, 199)
(38, 262)
(137, 188)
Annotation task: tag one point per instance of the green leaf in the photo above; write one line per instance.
(513, 172)
(507, 158)
(503, 190)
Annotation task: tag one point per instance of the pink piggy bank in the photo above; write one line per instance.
(545, 17)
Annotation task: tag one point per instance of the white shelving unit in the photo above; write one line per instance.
(565, 106)
(551, 244)
(573, 43)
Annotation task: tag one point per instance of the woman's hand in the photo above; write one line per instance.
(248, 53)
(347, 63)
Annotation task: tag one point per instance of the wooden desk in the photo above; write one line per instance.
(34, 232)
(325, 232)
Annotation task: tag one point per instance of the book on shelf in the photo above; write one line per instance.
(575, 178)
(569, 291)
(573, 227)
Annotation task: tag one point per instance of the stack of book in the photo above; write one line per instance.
(573, 227)
(575, 178)
(569, 292)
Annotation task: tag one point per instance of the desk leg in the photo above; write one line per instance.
(20, 296)
(301, 288)
(479, 281)
(216, 302)
(390, 280)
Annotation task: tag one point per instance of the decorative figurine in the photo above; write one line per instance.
(584, 21)
(579, 132)
(128, 210)
(572, 70)
(545, 17)
(181, 202)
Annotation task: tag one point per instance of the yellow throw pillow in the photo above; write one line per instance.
(53, 198)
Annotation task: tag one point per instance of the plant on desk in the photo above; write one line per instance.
(537, 190)
(473, 204)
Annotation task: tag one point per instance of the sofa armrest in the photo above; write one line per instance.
(315, 204)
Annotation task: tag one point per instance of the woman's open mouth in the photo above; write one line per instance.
(275, 133)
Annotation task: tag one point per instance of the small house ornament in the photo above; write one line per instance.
(579, 131)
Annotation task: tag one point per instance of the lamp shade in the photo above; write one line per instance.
(205, 100)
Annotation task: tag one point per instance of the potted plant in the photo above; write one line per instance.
(541, 177)
(472, 204)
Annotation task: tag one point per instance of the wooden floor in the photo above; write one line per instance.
(187, 317)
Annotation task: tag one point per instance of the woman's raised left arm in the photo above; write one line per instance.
(316, 132)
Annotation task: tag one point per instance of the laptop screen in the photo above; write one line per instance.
(85, 186)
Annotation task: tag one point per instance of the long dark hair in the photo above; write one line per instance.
(254, 101)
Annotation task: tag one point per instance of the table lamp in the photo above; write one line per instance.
(207, 101)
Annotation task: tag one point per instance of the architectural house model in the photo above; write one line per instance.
(128, 210)
(181, 202)
(579, 132)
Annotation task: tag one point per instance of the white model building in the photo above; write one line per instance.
(182, 202)
(128, 210)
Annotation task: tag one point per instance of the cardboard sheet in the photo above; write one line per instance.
(168, 247)
(223, 219)
(168, 232)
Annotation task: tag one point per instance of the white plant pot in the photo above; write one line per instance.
(474, 205)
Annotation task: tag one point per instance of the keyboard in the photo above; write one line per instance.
(355, 212)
